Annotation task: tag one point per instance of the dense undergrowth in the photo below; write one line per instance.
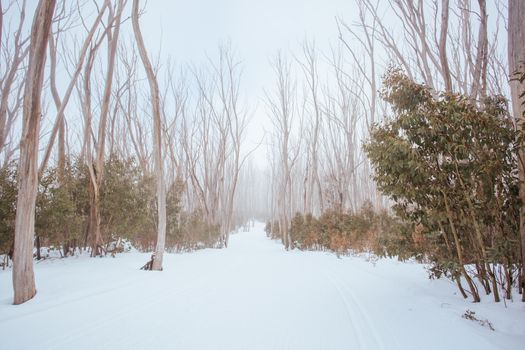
(379, 233)
(127, 205)
(449, 165)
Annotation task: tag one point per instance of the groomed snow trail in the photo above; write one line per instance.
(253, 295)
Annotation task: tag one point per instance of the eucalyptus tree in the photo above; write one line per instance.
(15, 49)
(282, 108)
(516, 55)
(157, 140)
(94, 148)
(62, 102)
(23, 275)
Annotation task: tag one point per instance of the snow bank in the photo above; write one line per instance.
(253, 295)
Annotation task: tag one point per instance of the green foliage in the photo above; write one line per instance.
(272, 229)
(128, 209)
(194, 233)
(8, 195)
(127, 201)
(366, 230)
(173, 209)
(57, 219)
(449, 164)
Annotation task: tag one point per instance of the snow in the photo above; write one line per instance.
(253, 295)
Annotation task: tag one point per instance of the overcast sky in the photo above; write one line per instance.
(256, 29)
(187, 30)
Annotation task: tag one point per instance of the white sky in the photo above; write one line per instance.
(257, 29)
(187, 30)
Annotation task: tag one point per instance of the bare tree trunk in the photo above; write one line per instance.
(281, 106)
(459, 251)
(1, 21)
(7, 81)
(445, 71)
(96, 167)
(61, 104)
(23, 275)
(58, 103)
(479, 89)
(157, 142)
(516, 51)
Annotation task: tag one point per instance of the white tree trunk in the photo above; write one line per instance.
(516, 47)
(23, 275)
(157, 142)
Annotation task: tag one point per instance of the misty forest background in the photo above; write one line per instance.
(403, 140)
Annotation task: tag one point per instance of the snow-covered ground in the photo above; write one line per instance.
(253, 295)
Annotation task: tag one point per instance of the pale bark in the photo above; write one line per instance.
(58, 103)
(339, 141)
(443, 45)
(229, 87)
(516, 53)
(157, 141)
(479, 79)
(310, 71)
(96, 166)
(62, 104)
(23, 275)
(369, 32)
(9, 77)
(282, 106)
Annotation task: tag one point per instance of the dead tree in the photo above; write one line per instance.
(228, 86)
(61, 103)
(157, 142)
(341, 107)
(95, 164)
(23, 275)
(364, 58)
(15, 49)
(281, 105)
(313, 189)
(460, 64)
(211, 140)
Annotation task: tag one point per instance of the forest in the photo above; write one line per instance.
(402, 139)
(421, 162)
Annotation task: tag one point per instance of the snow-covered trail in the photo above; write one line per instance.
(253, 295)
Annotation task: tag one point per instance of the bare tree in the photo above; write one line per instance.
(365, 64)
(213, 125)
(23, 275)
(313, 189)
(14, 52)
(96, 165)
(443, 36)
(341, 107)
(61, 104)
(228, 86)
(135, 130)
(281, 106)
(157, 142)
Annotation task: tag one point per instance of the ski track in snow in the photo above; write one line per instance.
(356, 329)
(253, 295)
(354, 310)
